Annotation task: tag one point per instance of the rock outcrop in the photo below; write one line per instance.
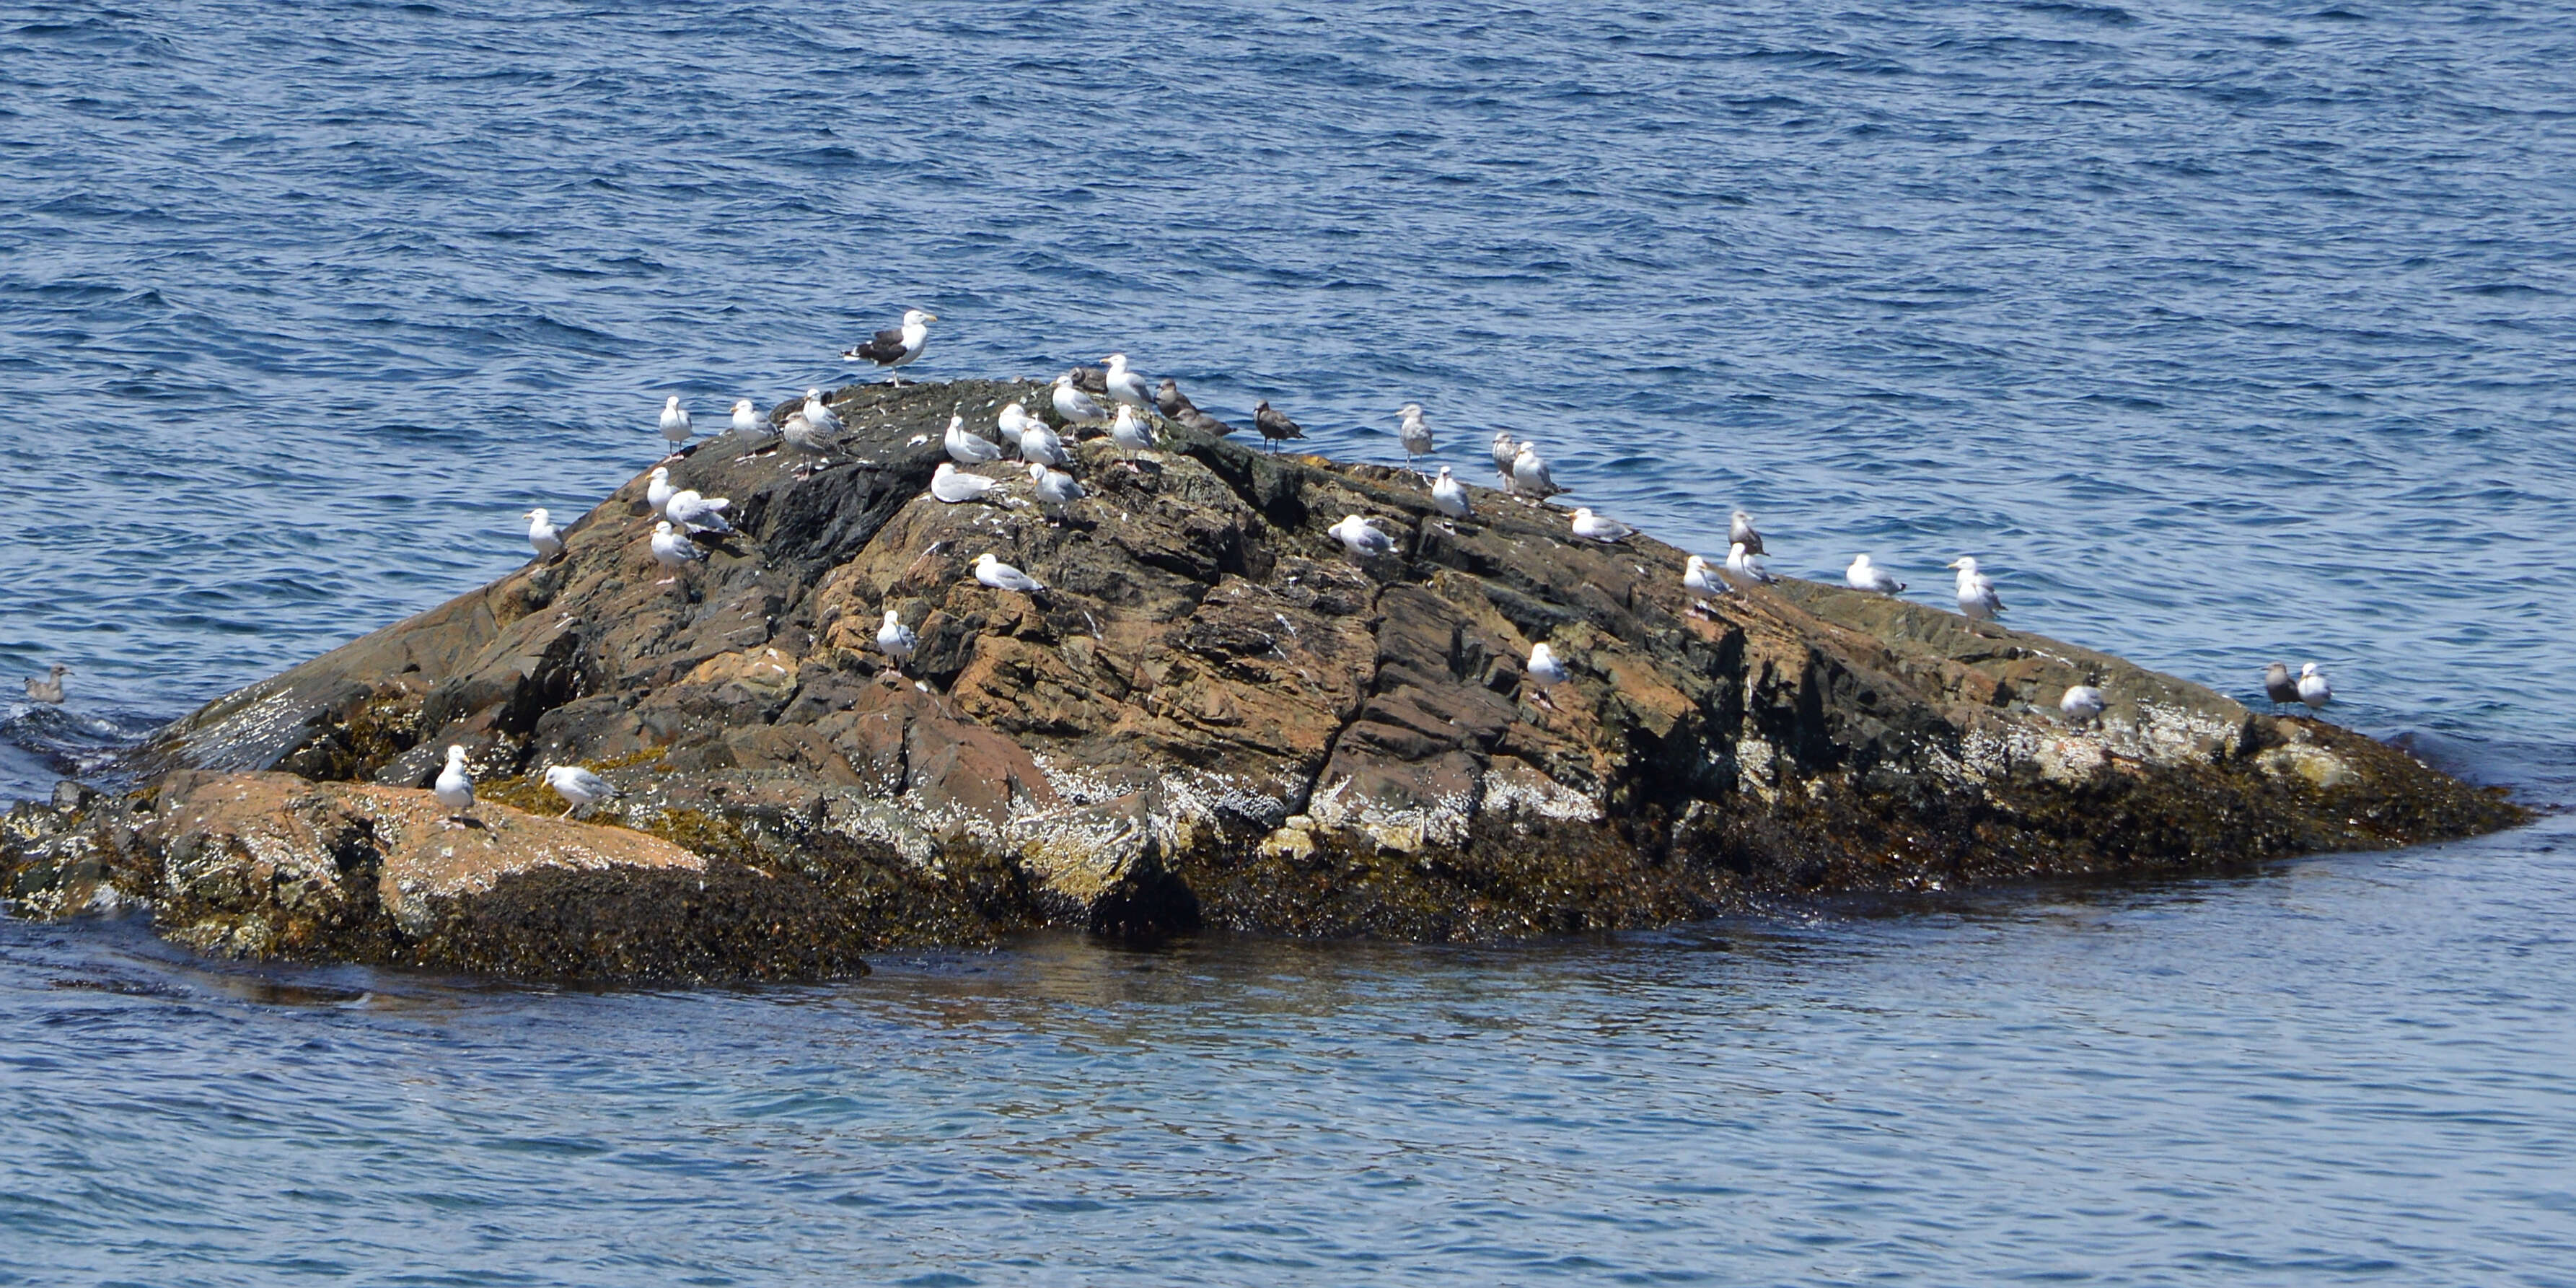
(1212, 715)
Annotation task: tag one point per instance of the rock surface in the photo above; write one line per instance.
(1212, 716)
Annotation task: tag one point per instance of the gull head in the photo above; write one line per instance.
(813, 395)
(915, 317)
(660, 472)
(662, 528)
(1116, 360)
(455, 754)
(1965, 563)
(1527, 450)
(743, 405)
(2307, 670)
(890, 618)
(1064, 381)
(1582, 513)
(671, 403)
(1409, 410)
(537, 515)
(1444, 473)
(1735, 553)
(1696, 563)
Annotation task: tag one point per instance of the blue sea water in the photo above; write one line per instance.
(2219, 333)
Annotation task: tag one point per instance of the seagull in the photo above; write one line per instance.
(658, 489)
(1449, 496)
(49, 689)
(896, 640)
(1176, 407)
(1360, 539)
(1593, 527)
(1057, 490)
(579, 787)
(455, 788)
(1091, 380)
(675, 425)
(967, 448)
(2313, 688)
(1864, 575)
(1746, 564)
(893, 348)
(802, 433)
(1504, 452)
(1274, 426)
(953, 485)
(1739, 531)
(747, 421)
(1039, 445)
(2278, 686)
(2082, 704)
(1697, 580)
(695, 513)
(1126, 386)
(1012, 422)
(543, 534)
(671, 550)
(820, 414)
(1131, 433)
(1977, 597)
(1075, 406)
(1549, 672)
(1415, 435)
(1001, 576)
(1530, 477)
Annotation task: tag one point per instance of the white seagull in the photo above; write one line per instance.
(747, 422)
(1547, 670)
(1131, 433)
(671, 550)
(1977, 597)
(675, 423)
(1530, 477)
(455, 788)
(953, 485)
(1592, 527)
(543, 534)
(1449, 496)
(1127, 387)
(1411, 432)
(896, 346)
(1013, 421)
(968, 448)
(1001, 576)
(1360, 539)
(820, 414)
(2313, 688)
(1697, 579)
(1075, 406)
(896, 640)
(696, 513)
(1040, 445)
(578, 786)
(1746, 564)
(1504, 450)
(2082, 704)
(1057, 490)
(1864, 575)
(658, 489)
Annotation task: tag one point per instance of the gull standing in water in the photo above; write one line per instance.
(50, 688)
(1977, 597)
(1698, 580)
(1739, 531)
(896, 640)
(1126, 386)
(543, 535)
(455, 788)
(673, 551)
(2082, 704)
(1360, 539)
(1275, 428)
(1057, 490)
(1504, 452)
(1001, 576)
(578, 787)
(1547, 671)
(1449, 496)
(1746, 564)
(658, 489)
(953, 485)
(892, 348)
(695, 513)
(2313, 688)
(1864, 575)
(1592, 527)
(1411, 432)
(1075, 406)
(1530, 477)
(968, 448)
(675, 426)
(1131, 433)
(2279, 686)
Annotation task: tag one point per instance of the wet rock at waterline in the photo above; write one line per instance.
(1212, 715)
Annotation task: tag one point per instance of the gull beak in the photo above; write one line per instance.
(929, 317)
(1952, 564)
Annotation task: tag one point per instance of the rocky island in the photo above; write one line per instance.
(1214, 715)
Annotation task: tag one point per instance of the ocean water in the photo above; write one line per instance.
(2219, 334)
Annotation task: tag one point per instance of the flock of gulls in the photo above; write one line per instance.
(1121, 403)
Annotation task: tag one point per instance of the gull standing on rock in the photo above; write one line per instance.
(2313, 688)
(1746, 564)
(1274, 427)
(1592, 527)
(1131, 433)
(695, 513)
(50, 688)
(2279, 686)
(1057, 490)
(543, 535)
(808, 438)
(1360, 539)
(1530, 477)
(896, 640)
(1449, 496)
(1013, 422)
(578, 787)
(894, 347)
(1177, 408)
(953, 485)
(1977, 597)
(658, 490)
(1547, 670)
(819, 414)
(1739, 531)
(1505, 450)
(1001, 576)
(2082, 704)
(1698, 580)
(673, 551)
(1039, 444)
(968, 448)
(455, 788)
(1075, 406)
(746, 422)
(675, 425)
(1864, 575)
(1126, 386)
(1411, 432)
